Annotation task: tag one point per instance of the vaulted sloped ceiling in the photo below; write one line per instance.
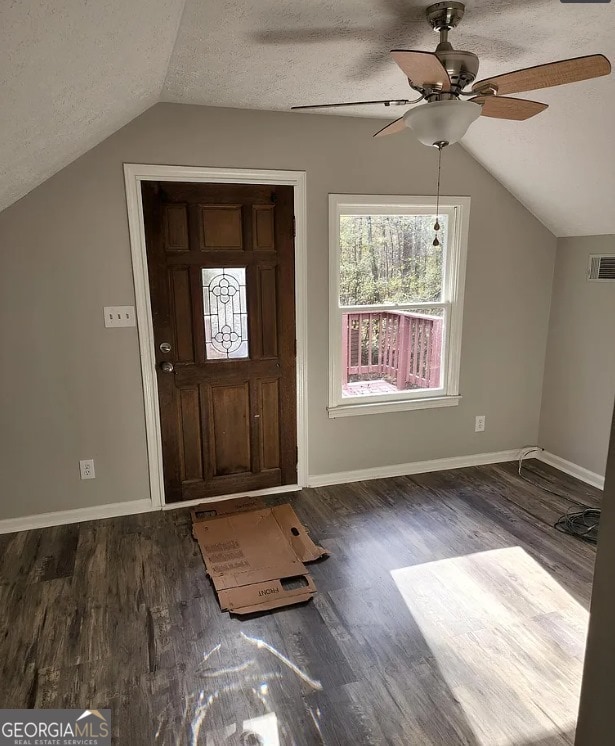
(73, 71)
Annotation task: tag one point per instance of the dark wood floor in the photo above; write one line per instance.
(450, 612)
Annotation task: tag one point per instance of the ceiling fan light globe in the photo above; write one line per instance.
(442, 121)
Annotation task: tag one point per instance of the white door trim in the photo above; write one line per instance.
(134, 174)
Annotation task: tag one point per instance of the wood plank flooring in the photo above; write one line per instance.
(450, 612)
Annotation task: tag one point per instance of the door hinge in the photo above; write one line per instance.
(294, 227)
(296, 454)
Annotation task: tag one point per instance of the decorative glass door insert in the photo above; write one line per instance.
(225, 313)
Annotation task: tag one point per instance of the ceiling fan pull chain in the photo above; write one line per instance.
(436, 227)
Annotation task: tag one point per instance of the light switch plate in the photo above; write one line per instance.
(120, 316)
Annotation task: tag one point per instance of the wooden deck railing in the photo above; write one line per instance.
(402, 347)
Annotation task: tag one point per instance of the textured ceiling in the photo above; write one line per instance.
(71, 73)
(76, 70)
(275, 53)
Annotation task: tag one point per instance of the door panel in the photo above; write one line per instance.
(221, 227)
(190, 426)
(230, 435)
(263, 227)
(181, 298)
(267, 306)
(175, 228)
(270, 424)
(221, 269)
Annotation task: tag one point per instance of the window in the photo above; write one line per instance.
(225, 312)
(396, 302)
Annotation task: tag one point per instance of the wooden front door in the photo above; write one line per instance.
(221, 273)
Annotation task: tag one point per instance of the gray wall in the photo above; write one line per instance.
(71, 389)
(579, 384)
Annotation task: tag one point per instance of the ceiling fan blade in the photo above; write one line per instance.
(392, 129)
(422, 68)
(546, 76)
(386, 102)
(501, 107)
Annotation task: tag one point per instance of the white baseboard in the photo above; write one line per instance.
(112, 510)
(43, 520)
(580, 472)
(415, 467)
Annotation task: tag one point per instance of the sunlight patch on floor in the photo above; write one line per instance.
(508, 639)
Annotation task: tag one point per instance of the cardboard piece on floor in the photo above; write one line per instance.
(205, 511)
(250, 551)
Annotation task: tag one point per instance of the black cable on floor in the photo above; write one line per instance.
(583, 524)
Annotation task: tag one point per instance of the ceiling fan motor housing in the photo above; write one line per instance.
(462, 67)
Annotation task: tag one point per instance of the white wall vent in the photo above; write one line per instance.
(601, 267)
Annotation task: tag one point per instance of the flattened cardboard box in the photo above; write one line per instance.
(249, 549)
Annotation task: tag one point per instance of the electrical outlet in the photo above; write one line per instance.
(479, 424)
(86, 469)
(119, 316)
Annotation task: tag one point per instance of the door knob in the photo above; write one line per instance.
(167, 367)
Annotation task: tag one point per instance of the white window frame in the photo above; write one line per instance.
(454, 270)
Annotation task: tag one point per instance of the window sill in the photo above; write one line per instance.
(350, 410)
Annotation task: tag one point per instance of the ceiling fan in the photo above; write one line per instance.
(440, 78)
